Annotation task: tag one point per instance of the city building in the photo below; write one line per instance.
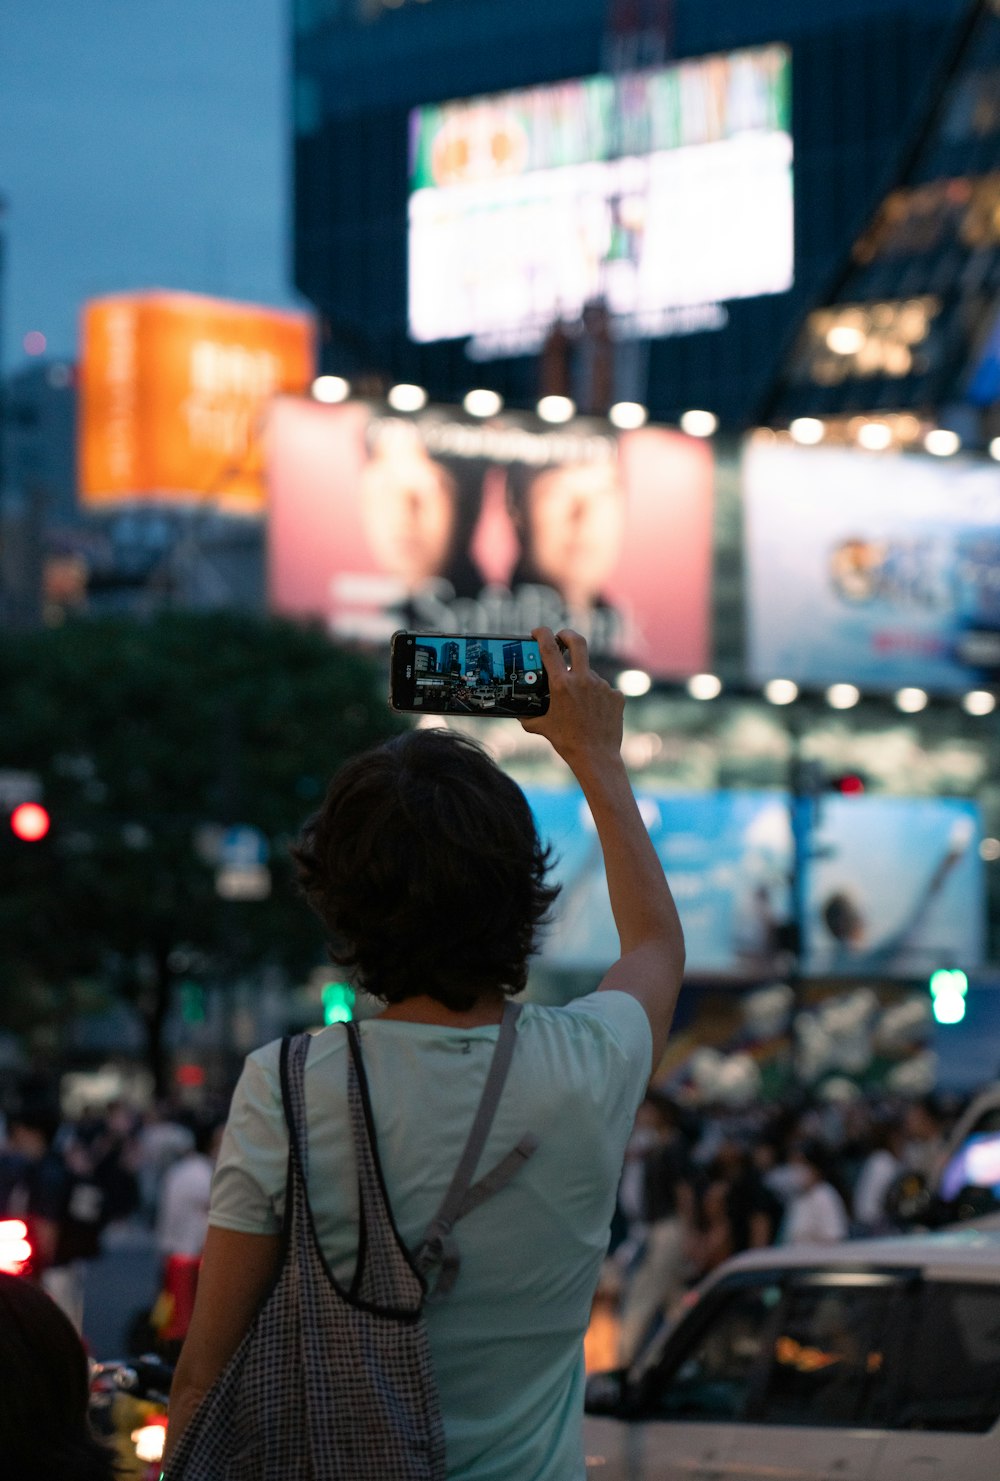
(479, 659)
(513, 659)
(862, 73)
(39, 437)
(905, 349)
(38, 503)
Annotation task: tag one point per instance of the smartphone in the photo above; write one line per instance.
(460, 674)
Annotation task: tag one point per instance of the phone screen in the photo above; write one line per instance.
(459, 674)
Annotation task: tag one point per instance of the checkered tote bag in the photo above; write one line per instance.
(334, 1383)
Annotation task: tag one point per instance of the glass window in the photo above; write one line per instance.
(829, 1359)
(951, 1378)
(711, 1379)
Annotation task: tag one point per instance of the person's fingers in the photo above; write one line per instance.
(576, 645)
(552, 654)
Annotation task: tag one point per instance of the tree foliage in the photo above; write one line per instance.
(144, 735)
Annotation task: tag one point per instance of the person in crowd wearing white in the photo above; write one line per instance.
(162, 1141)
(661, 1202)
(879, 1171)
(817, 1213)
(185, 1195)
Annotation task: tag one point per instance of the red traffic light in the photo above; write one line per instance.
(850, 784)
(15, 1249)
(29, 822)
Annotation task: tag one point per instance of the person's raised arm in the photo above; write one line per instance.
(584, 726)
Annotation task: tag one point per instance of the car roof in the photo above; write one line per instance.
(950, 1252)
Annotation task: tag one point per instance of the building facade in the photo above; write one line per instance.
(909, 335)
(862, 75)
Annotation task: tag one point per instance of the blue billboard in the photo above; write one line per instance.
(895, 888)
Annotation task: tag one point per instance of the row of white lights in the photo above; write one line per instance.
(875, 437)
(636, 682)
(626, 415)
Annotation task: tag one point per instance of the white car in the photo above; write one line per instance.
(483, 698)
(872, 1360)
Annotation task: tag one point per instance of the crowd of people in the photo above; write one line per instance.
(72, 1180)
(699, 1187)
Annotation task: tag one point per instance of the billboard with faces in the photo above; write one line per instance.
(438, 523)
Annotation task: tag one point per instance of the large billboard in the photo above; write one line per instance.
(173, 389)
(881, 569)
(660, 191)
(438, 523)
(895, 891)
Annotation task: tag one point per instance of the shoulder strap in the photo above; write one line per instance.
(385, 1273)
(291, 1063)
(437, 1246)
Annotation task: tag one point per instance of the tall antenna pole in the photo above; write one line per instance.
(639, 35)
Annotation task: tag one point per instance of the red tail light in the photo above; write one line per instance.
(15, 1249)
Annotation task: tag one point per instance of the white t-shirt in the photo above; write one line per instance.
(185, 1193)
(507, 1342)
(876, 1177)
(817, 1216)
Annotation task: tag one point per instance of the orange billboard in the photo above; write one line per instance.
(173, 391)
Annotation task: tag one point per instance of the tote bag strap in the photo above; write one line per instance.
(291, 1065)
(438, 1248)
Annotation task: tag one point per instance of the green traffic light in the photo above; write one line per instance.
(948, 991)
(192, 1002)
(338, 1003)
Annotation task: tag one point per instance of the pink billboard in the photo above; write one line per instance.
(440, 523)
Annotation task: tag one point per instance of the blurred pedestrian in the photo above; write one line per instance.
(710, 1238)
(113, 1150)
(754, 1210)
(161, 1140)
(817, 1212)
(55, 1193)
(879, 1171)
(925, 1142)
(182, 1217)
(181, 1227)
(45, 1433)
(658, 1188)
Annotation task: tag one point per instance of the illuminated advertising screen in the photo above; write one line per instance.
(664, 192)
(173, 389)
(439, 524)
(897, 887)
(879, 569)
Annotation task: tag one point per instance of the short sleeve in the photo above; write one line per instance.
(248, 1187)
(620, 1021)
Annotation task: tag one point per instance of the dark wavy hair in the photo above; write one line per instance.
(426, 869)
(44, 1392)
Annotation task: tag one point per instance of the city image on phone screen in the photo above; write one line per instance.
(457, 674)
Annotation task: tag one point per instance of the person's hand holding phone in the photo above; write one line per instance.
(585, 715)
(584, 724)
